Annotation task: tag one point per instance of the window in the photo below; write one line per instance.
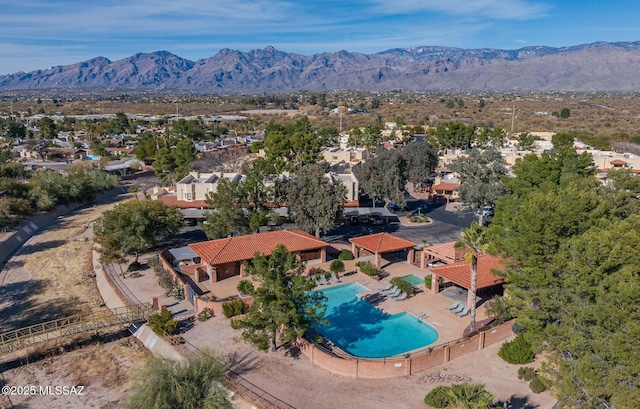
(188, 196)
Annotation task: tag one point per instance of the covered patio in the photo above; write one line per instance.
(459, 273)
(381, 243)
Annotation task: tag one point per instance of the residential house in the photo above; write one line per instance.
(196, 186)
(224, 258)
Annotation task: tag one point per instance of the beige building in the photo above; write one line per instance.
(349, 181)
(345, 155)
(196, 185)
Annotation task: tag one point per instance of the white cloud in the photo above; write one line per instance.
(498, 9)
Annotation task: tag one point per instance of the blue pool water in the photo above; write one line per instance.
(413, 279)
(362, 330)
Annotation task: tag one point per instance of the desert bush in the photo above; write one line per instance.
(367, 268)
(337, 266)
(233, 308)
(427, 281)
(537, 385)
(205, 314)
(245, 287)
(135, 266)
(345, 255)
(526, 373)
(517, 352)
(177, 292)
(163, 322)
(438, 397)
(403, 285)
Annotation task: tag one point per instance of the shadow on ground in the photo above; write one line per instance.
(23, 310)
(516, 402)
(46, 245)
(242, 364)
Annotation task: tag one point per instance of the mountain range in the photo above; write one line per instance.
(588, 67)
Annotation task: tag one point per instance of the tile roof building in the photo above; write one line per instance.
(380, 243)
(224, 258)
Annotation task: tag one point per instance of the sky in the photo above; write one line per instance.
(39, 34)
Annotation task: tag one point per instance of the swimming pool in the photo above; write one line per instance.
(413, 279)
(362, 330)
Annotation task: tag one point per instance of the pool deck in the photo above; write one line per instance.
(422, 304)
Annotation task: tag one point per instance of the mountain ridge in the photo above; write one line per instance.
(599, 66)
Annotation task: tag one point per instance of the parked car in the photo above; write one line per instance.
(394, 207)
(487, 211)
(376, 220)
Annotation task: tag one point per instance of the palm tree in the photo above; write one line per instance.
(195, 384)
(474, 240)
(470, 396)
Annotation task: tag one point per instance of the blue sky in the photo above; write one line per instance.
(38, 34)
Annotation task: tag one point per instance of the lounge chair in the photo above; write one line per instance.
(460, 308)
(392, 290)
(454, 306)
(401, 297)
(323, 280)
(395, 293)
(335, 278)
(464, 312)
(315, 279)
(386, 287)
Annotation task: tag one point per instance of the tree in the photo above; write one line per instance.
(455, 135)
(475, 242)
(314, 200)
(421, 160)
(184, 155)
(228, 217)
(136, 225)
(486, 137)
(195, 384)
(120, 124)
(470, 396)
(283, 304)
(480, 175)
(525, 141)
(384, 177)
(47, 128)
(293, 145)
(565, 113)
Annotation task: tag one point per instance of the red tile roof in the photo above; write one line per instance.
(447, 186)
(243, 248)
(618, 162)
(171, 200)
(382, 243)
(460, 272)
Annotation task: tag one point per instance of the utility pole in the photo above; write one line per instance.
(513, 118)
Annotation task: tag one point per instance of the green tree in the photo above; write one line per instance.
(136, 225)
(487, 137)
(120, 124)
(293, 145)
(480, 179)
(195, 384)
(314, 200)
(184, 155)
(421, 160)
(565, 113)
(525, 141)
(475, 242)
(147, 147)
(470, 396)
(384, 177)
(283, 304)
(47, 128)
(228, 217)
(455, 135)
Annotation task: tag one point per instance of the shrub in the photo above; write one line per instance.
(403, 285)
(517, 352)
(163, 322)
(133, 189)
(205, 314)
(135, 266)
(518, 328)
(245, 287)
(337, 266)
(233, 308)
(345, 255)
(526, 373)
(177, 292)
(367, 268)
(165, 279)
(537, 385)
(427, 281)
(438, 397)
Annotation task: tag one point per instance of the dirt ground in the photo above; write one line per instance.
(295, 380)
(51, 276)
